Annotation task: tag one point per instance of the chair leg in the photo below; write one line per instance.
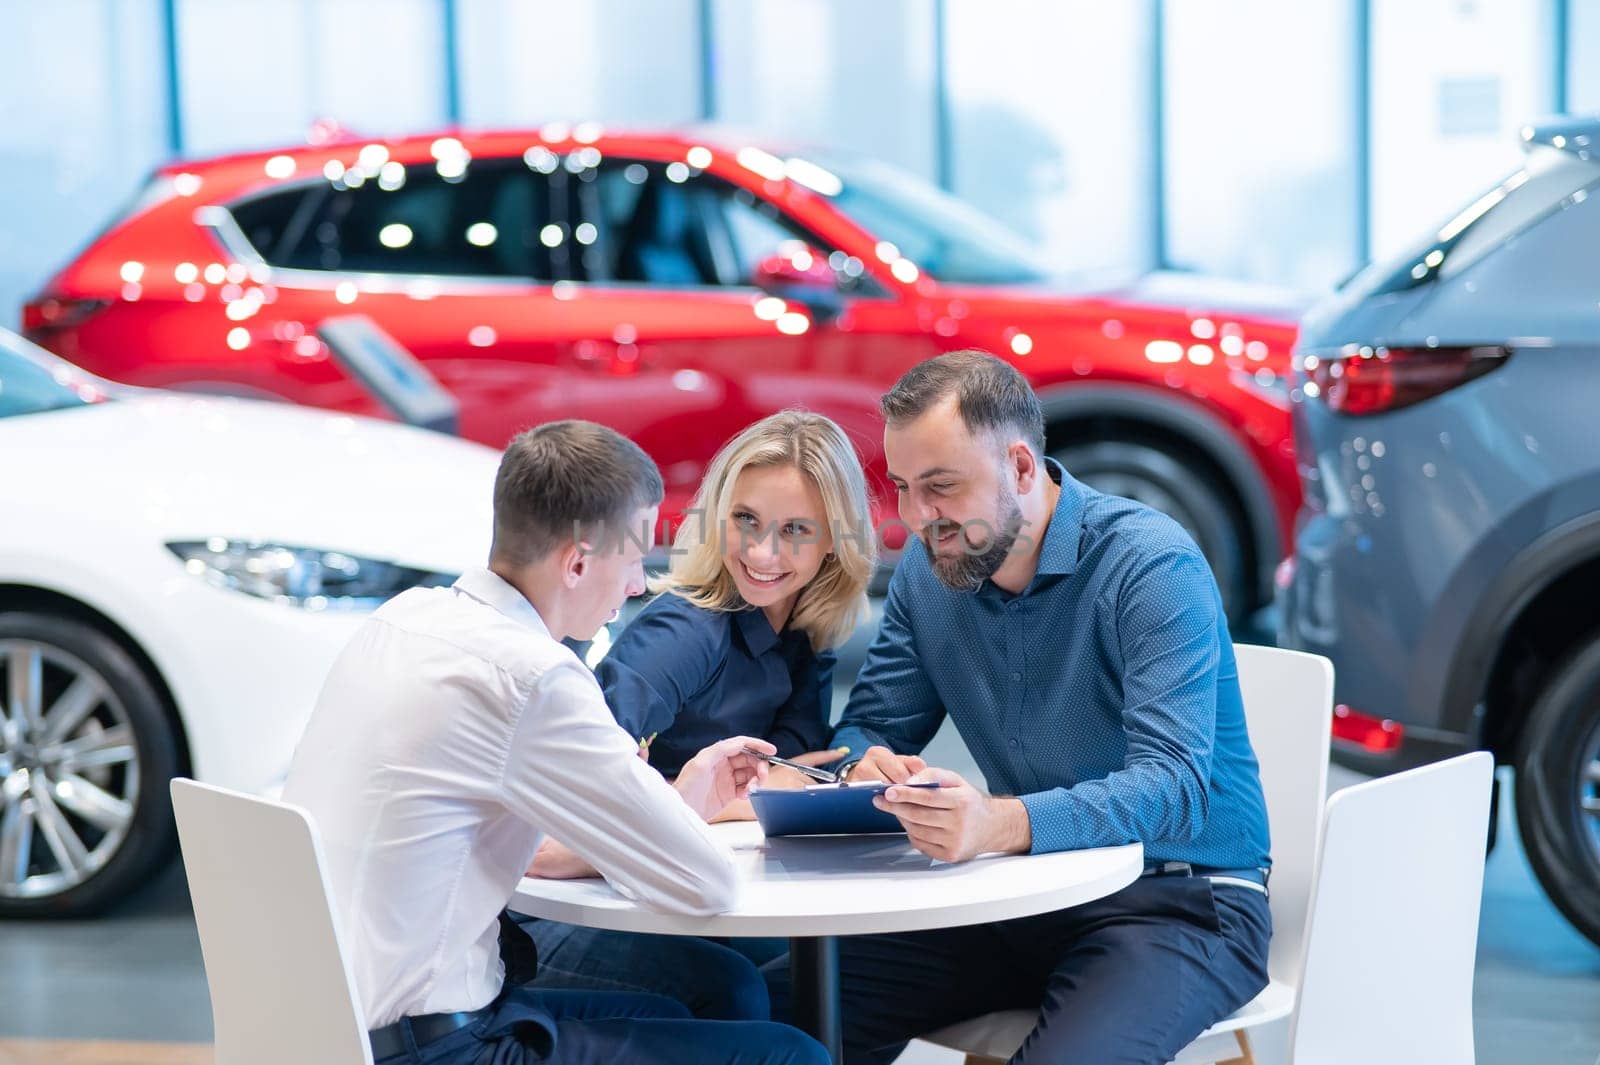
(1246, 1055)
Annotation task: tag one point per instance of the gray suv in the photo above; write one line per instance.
(1447, 556)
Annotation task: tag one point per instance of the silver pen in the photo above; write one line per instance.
(824, 776)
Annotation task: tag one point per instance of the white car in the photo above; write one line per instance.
(177, 573)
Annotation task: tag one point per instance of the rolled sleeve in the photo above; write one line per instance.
(574, 773)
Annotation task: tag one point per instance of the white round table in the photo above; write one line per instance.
(814, 888)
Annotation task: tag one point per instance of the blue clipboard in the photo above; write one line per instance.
(825, 810)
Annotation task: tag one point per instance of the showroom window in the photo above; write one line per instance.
(1258, 136)
(1457, 82)
(483, 222)
(254, 73)
(661, 225)
(836, 74)
(1049, 130)
(82, 130)
(523, 64)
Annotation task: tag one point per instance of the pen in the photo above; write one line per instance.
(823, 775)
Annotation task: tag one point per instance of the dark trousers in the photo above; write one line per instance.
(715, 980)
(609, 1028)
(1131, 978)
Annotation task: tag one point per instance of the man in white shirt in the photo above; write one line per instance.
(455, 731)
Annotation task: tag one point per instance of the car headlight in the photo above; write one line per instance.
(306, 577)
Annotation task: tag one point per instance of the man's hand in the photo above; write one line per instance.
(557, 861)
(880, 763)
(722, 773)
(956, 821)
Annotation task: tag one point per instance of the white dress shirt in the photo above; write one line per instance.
(451, 735)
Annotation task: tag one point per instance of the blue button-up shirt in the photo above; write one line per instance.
(1105, 696)
(694, 676)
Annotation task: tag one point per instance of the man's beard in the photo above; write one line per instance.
(966, 569)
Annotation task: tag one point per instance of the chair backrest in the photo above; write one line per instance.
(281, 989)
(1394, 928)
(1288, 708)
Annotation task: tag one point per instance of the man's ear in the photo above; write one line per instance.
(1024, 465)
(574, 564)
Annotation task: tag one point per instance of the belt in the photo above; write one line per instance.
(1250, 877)
(521, 960)
(430, 1027)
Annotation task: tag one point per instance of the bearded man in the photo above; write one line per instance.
(1078, 642)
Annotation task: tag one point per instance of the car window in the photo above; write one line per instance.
(755, 231)
(1547, 180)
(31, 386)
(1539, 282)
(663, 224)
(485, 221)
(275, 222)
(944, 236)
(1550, 177)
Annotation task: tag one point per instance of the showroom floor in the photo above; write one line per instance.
(135, 976)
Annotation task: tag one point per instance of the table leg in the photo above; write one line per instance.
(814, 970)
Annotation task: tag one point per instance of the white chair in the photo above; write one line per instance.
(1393, 935)
(1288, 707)
(281, 988)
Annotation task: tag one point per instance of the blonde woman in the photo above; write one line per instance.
(768, 575)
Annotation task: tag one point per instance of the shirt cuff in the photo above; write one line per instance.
(1051, 822)
(858, 740)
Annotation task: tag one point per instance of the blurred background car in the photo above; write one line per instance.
(176, 576)
(678, 286)
(1448, 554)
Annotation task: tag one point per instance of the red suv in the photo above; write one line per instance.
(677, 286)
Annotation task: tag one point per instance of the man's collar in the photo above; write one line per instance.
(1059, 552)
(494, 590)
(757, 631)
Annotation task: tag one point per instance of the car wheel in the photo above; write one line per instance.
(1152, 476)
(1558, 789)
(86, 750)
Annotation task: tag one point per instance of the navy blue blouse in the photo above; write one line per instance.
(694, 676)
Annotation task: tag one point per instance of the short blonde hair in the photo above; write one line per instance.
(834, 602)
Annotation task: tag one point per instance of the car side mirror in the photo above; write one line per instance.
(800, 273)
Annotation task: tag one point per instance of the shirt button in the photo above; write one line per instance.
(1014, 744)
(1013, 605)
(1016, 677)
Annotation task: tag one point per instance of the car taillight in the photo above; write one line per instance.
(41, 316)
(1376, 734)
(1369, 380)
